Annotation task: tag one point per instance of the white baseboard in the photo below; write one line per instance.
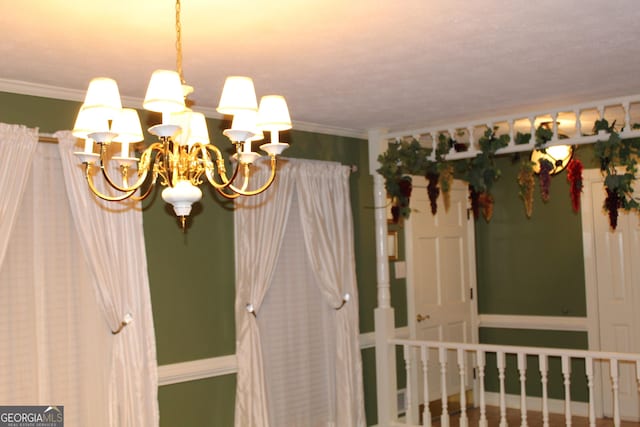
(556, 406)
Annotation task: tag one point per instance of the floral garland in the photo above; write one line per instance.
(398, 163)
(527, 183)
(544, 177)
(574, 176)
(614, 153)
(482, 172)
(617, 157)
(446, 179)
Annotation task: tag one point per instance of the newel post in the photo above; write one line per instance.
(386, 385)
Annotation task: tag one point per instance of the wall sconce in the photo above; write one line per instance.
(558, 155)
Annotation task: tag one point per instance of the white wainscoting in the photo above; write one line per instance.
(224, 365)
(549, 323)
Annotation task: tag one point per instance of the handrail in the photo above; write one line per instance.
(544, 351)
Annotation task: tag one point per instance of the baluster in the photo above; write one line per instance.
(480, 359)
(613, 368)
(442, 356)
(554, 121)
(601, 111)
(638, 374)
(627, 117)
(434, 145)
(544, 369)
(511, 135)
(503, 404)
(452, 135)
(472, 141)
(592, 406)
(426, 416)
(408, 396)
(578, 123)
(566, 373)
(522, 369)
(532, 121)
(464, 422)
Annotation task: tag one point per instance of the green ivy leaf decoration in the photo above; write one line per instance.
(543, 135)
(405, 158)
(522, 138)
(481, 170)
(615, 155)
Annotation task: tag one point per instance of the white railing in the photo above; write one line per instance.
(432, 365)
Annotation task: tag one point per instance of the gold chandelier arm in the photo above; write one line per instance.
(97, 192)
(148, 190)
(243, 192)
(209, 169)
(143, 164)
(227, 195)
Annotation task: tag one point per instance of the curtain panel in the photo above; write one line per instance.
(113, 244)
(17, 145)
(54, 344)
(322, 191)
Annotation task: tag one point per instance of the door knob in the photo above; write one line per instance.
(420, 317)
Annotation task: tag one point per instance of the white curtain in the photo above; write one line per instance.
(320, 190)
(17, 144)
(325, 209)
(259, 228)
(113, 245)
(53, 343)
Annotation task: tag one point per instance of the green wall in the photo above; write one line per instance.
(534, 267)
(530, 266)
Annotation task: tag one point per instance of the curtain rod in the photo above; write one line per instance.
(47, 139)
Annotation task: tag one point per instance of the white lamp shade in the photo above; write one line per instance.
(127, 126)
(248, 121)
(273, 114)
(245, 120)
(104, 97)
(89, 121)
(193, 125)
(164, 93)
(238, 95)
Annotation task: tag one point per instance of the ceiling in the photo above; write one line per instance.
(349, 65)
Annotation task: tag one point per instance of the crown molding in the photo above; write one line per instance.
(47, 91)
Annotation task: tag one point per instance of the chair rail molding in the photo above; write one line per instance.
(547, 323)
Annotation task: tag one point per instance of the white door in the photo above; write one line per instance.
(613, 290)
(441, 278)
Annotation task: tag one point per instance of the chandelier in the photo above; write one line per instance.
(183, 156)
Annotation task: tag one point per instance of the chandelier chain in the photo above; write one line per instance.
(179, 43)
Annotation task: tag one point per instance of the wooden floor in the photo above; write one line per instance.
(534, 418)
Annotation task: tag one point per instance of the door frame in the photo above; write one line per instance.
(590, 176)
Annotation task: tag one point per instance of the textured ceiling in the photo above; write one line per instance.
(355, 65)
